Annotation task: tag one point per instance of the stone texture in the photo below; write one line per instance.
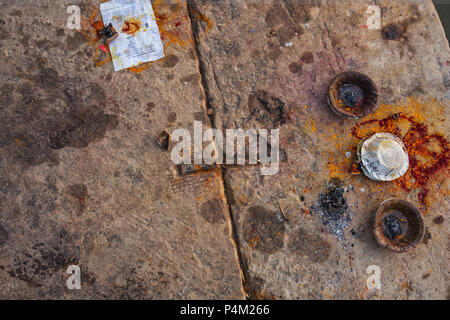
(84, 181)
(268, 64)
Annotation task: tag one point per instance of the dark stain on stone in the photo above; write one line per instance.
(172, 117)
(6, 98)
(43, 260)
(439, 220)
(4, 236)
(88, 277)
(200, 116)
(60, 32)
(284, 19)
(397, 31)
(299, 12)
(310, 245)
(150, 106)
(78, 190)
(45, 44)
(87, 125)
(16, 13)
(392, 32)
(256, 290)
(267, 109)
(76, 41)
(355, 19)
(170, 61)
(295, 67)
(427, 236)
(263, 231)
(276, 15)
(114, 240)
(191, 78)
(163, 140)
(135, 175)
(288, 32)
(37, 204)
(307, 57)
(51, 113)
(4, 34)
(226, 47)
(212, 211)
(274, 52)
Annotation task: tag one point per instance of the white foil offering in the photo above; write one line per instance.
(383, 157)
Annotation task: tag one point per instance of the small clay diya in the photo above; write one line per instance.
(352, 95)
(398, 225)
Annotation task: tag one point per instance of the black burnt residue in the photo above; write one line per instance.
(392, 32)
(108, 31)
(395, 225)
(334, 203)
(333, 209)
(397, 31)
(392, 227)
(350, 95)
(268, 109)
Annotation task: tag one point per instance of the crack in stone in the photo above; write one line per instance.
(234, 238)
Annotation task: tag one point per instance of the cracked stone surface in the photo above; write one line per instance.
(83, 180)
(282, 55)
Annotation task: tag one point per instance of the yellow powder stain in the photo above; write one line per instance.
(427, 111)
(131, 26)
(141, 67)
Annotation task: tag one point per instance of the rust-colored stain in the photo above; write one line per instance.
(415, 122)
(98, 26)
(140, 68)
(170, 19)
(203, 18)
(131, 26)
(428, 152)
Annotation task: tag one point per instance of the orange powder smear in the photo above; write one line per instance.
(131, 26)
(412, 122)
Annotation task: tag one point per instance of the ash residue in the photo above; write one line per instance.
(333, 209)
(351, 95)
(392, 227)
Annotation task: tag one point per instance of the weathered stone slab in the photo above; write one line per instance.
(268, 64)
(82, 179)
